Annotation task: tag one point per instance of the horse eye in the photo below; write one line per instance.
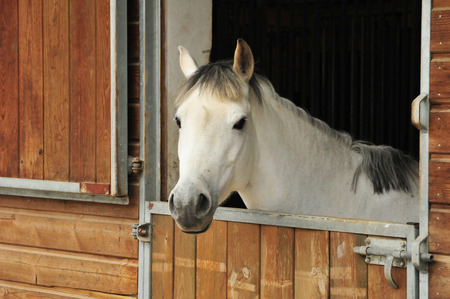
(178, 121)
(240, 124)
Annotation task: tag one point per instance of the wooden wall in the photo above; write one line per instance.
(439, 185)
(53, 248)
(238, 260)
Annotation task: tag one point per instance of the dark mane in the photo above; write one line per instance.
(387, 168)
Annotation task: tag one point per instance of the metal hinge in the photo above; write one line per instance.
(393, 253)
(135, 165)
(141, 232)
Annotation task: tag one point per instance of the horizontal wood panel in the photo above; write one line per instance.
(441, 3)
(439, 78)
(439, 227)
(99, 235)
(439, 138)
(440, 30)
(439, 285)
(439, 179)
(65, 269)
(14, 290)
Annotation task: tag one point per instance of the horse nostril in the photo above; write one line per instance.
(172, 209)
(203, 206)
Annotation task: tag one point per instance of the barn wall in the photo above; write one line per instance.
(239, 260)
(65, 249)
(439, 144)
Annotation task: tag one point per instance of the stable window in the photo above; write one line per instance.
(63, 85)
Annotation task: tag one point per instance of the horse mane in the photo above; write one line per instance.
(387, 168)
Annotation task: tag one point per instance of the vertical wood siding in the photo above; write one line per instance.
(239, 260)
(439, 145)
(55, 90)
(54, 124)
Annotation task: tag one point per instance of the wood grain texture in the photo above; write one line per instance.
(56, 89)
(9, 89)
(439, 78)
(82, 47)
(14, 290)
(65, 269)
(440, 33)
(243, 260)
(162, 257)
(439, 179)
(31, 136)
(439, 229)
(97, 235)
(348, 271)
(441, 3)
(103, 92)
(211, 262)
(439, 284)
(378, 286)
(277, 262)
(184, 270)
(312, 275)
(439, 138)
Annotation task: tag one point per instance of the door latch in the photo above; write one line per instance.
(141, 232)
(391, 253)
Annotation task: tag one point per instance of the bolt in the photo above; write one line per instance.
(367, 241)
(142, 232)
(367, 259)
(402, 264)
(403, 244)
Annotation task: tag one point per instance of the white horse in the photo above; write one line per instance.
(237, 134)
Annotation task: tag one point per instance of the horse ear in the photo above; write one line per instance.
(187, 63)
(243, 60)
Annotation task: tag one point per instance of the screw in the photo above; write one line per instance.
(402, 263)
(367, 241)
(367, 259)
(142, 232)
(403, 244)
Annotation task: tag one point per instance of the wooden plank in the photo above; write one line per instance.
(9, 89)
(439, 228)
(439, 139)
(82, 47)
(162, 257)
(348, 271)
(130, 211)
(103, 91)
(90, 234)
(312, 275)
(243, 260)
(441, 3)
(56, 89)
(439, 179)
(439, 284)
(212, 262)
(439, 77)
(14, 290)
(440, 36)
(66, 269)
(379, 287)
(31, 126)
(184, 270)
(277, 262)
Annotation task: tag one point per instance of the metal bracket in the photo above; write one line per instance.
(419, 245)
(141, 232)
(419, 112)
(392, 253)
(135, 165)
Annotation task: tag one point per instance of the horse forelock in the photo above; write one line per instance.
(219, 81)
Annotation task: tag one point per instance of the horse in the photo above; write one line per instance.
(236, 134)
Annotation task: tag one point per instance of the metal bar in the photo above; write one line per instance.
(88, 197)
(424, 138)
(41, 185)
(412, 275)
(150, 131)
(119, 98)
(301, 221)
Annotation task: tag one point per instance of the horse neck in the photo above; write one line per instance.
(293, 153)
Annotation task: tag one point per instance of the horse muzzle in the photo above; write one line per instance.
(192, 211)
